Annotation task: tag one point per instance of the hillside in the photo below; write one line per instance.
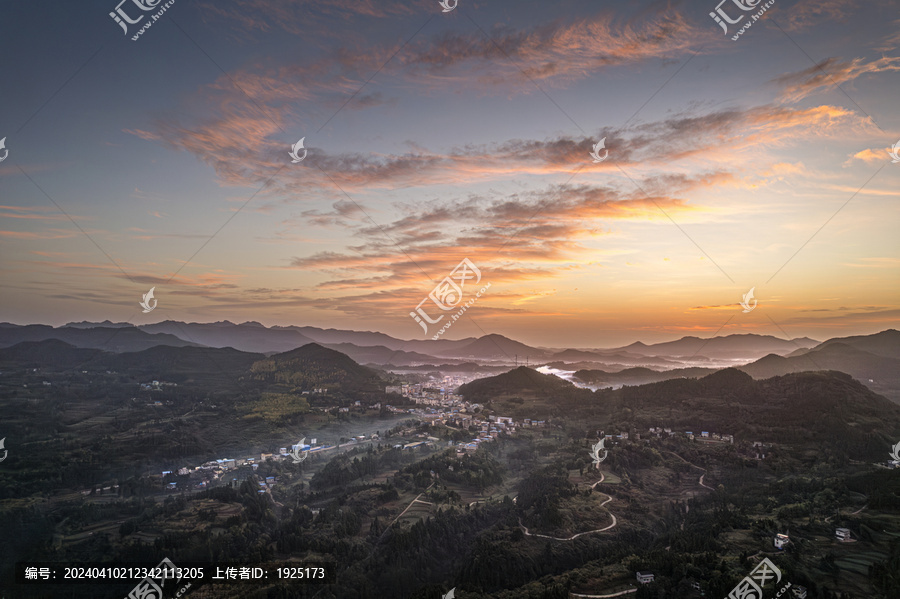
(881, 374)
(518, 380)
(184, 364)
(313, 366)
(637, 376)
(608, 359)
(50, 352)
(812, 409)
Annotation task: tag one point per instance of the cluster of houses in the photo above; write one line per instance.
(705, 436)
(156, 385)
(490, 429)
(208, 472)
(646, 577)
(661, 433)
(841, 534)
(425, 392)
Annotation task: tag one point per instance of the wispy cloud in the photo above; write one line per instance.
(832, 72)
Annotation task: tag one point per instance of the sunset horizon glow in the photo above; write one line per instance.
(434, 137)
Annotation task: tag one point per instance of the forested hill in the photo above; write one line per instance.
(313, 366)
(521, 379)
(829, 408)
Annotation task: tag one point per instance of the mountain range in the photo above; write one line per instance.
(255, 337)
(874, 359)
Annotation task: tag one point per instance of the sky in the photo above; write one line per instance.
(432, 137)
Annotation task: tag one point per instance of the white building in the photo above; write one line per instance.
(842, 534)
(645, 577)
(781, 540)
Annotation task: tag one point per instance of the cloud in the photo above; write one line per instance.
(255, 18)
(808, 13)
(876, 262)
(31, 213)
(233, 123)
(43, 235)
(563, 51)
(871, 156)
(715, 137)
(829, 73)
(146, 135)
(542, 232)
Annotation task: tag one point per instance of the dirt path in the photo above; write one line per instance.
(625, 592)
(830, 518)
(697, 467)
(409, 506)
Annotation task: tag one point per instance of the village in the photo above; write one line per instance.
(435, 403)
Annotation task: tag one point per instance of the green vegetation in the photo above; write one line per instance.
(278, 407)
(414, 523)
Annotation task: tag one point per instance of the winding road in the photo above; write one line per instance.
(575, 536)
(830, 518)
(695, 466)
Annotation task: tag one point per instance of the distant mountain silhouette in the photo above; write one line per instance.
(369, 339)
(379, 354)
(117, 339)
(885, 344)
(92, 325)
(495, 347)
(748, 346)
(249, 336)
(879, 373)
(339, 336)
